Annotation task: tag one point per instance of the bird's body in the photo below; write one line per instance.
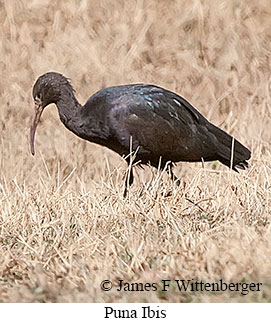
(157, 124)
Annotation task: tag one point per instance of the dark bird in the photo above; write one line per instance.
(159, 125)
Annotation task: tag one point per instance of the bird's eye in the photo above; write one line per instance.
(38, 97)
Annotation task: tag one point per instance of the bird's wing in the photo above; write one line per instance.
(159, 122)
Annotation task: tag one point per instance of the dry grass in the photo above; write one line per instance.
(64, 224)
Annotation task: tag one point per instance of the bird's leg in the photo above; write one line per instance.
(173, 177)
(176, 180)
(128, 180)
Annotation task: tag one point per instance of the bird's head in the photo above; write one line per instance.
(46, 90)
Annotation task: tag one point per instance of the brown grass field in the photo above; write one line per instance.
(64, 224)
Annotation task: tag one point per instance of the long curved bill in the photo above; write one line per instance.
(38, 112)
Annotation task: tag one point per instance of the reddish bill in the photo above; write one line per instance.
(33, 127)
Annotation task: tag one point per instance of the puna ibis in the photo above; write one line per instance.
(159, 125)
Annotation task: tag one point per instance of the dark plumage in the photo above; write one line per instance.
(161, 126)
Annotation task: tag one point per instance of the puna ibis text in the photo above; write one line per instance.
(143, 312)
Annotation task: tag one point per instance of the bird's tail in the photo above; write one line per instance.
(230, 151)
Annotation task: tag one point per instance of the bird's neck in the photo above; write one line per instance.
(69, 110)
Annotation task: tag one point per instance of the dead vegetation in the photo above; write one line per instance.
(64, 225)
